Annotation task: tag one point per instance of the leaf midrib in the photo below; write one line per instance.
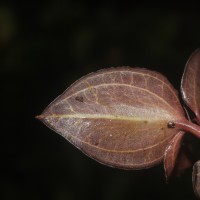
(111, 117)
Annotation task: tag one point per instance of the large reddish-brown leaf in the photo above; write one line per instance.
(118, 116)
(190, 85)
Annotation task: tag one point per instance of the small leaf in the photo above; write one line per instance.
(118, 116)
(171, 153)
(196, 178)
(177, 157)
(184, 161)
(190, 84)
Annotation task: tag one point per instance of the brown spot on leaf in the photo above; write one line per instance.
(96, 143)
(79, 98)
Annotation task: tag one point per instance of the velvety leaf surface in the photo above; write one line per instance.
(190, 85)
(118, 116)
(171, 153)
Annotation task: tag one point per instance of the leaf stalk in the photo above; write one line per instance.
(188, 126)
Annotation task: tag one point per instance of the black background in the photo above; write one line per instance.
(45, 47)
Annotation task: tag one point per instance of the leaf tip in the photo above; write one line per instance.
(39, 117)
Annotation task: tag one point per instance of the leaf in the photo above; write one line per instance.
(196, 178)
(177, 157)
(183, 162)
(190, 84)
(119, 116)
(171, 153)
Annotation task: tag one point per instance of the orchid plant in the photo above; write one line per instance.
(130, 118)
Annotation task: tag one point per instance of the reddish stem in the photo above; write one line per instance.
(188, 126)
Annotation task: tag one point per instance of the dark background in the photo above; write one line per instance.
(45, 47)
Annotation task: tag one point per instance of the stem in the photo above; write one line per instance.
(188, 126)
